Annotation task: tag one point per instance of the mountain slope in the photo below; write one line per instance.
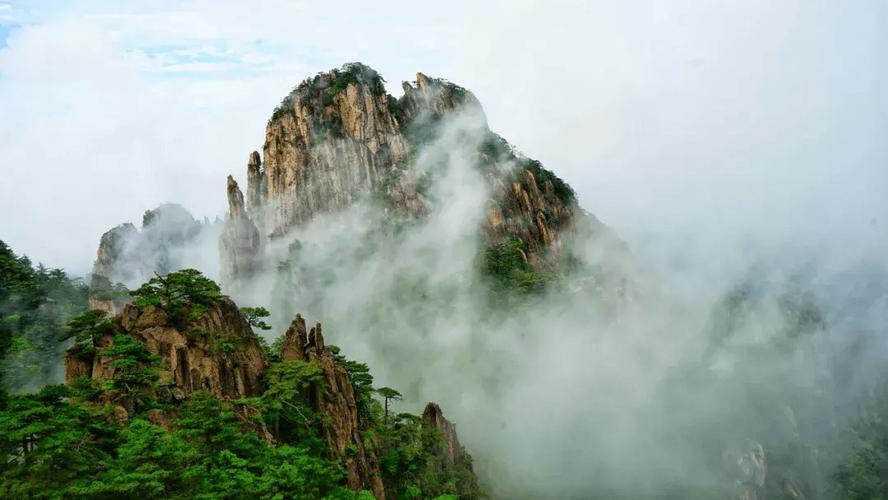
(177, 394)
(338, 137)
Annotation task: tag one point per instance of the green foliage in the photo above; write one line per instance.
(495, 147)
(863, 473)
(58, 449)
(800, 312)
(507, 271)
(86, 388)
(135, 369)
(101, 288)
(388, 394)
(560, 188)
(348, 74)
(341, 82)
(255, 315)
(283, 108)
(353, 73)
(328, 126)
(87, 330)
(231, 461)
(50, 446)
(394, 106)
(284, 405)
(222, 342)
(273, 350)
(183, 294)
(423, 131)
(362, 382)
(35, 304)
(409, 455)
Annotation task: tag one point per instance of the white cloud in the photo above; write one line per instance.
(706, 133)
(716, 121)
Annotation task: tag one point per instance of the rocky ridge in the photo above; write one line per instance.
(339, 136)
(343, 435)
(192, 357)
(218, 352)
(128, 255)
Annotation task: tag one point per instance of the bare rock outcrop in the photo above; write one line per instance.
(215, 352)
(332, 138)
(751, 471)
(239, 241)
(169, 239)
(336, 399)
(339, 135)
(451, 454)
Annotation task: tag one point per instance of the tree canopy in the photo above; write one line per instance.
(183, 294)
(35, 304)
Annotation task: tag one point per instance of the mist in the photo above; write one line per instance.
(737, 150)
(656, 381)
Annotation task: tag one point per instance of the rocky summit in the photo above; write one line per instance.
(216, 352)
(339, 136)
(338, 143)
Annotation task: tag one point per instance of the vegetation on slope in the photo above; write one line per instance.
(506, 269)
(58, 448)
(348, 74)
(863, 473)
(35, 304)
(67, 442)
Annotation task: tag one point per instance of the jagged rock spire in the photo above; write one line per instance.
(236, 206)
(256, 188)
(334, 137)
(295, 339)
(239, 243)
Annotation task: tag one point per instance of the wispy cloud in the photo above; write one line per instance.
(6, 14)
(606, 96)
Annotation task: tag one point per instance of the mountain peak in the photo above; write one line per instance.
(338, 136)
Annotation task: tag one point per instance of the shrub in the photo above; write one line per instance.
(86, 330)
(561, 190)
(178, 292)
(507, 271)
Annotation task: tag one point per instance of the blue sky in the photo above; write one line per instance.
(732, 124)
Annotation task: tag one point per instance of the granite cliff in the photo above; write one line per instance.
(217, 352)
(338, 137)
(170, 238)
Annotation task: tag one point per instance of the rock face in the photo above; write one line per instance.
(336, 399)
(344, 434)
(751, 472)
(192, 358)
(451, 455)
(332, 138)
(170, 239)
(218, 352)
(339, 135)
(239, 242)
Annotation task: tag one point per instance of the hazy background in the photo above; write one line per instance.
(693, 128)
(730, 143)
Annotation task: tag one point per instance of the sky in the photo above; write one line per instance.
(698, 130)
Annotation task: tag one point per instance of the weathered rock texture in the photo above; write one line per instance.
(336, 398)
(239, 242)
(168, 240)
(339, 135)
(751, 471)
(344, 434)
(192, 357)
(451, 455)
